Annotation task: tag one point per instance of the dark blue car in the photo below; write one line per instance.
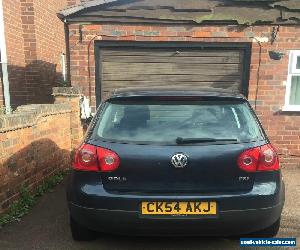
(175, 162)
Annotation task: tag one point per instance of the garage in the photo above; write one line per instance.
(121, 65)
(112, 44)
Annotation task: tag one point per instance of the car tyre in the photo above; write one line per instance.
(268, 232)
(80, 233)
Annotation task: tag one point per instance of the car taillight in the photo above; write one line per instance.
(108, 160)
(268, 159)
(262, 158)
(86, 158)
(92, 158)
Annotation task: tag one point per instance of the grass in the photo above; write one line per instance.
(29, 198)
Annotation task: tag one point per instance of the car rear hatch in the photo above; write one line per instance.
(146, 134)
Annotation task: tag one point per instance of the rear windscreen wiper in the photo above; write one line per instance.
(181, 140)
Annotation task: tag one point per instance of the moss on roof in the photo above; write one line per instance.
(244, 12)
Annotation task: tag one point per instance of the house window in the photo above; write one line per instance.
(292, 98)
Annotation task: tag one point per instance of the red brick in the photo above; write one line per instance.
(33, 153)
(201, 34)
(33, 34)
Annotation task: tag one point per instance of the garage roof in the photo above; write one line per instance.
(245, 12)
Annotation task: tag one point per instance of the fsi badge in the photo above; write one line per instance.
(268, 242)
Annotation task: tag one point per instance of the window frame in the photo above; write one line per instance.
(292, 71)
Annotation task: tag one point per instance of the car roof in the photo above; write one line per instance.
(176, 91)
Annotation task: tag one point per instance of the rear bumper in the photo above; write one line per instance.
(227, 223)
(239, 213)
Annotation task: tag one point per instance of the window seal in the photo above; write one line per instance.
(292, 71)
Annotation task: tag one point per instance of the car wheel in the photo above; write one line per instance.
(80, 233)
(268, 232)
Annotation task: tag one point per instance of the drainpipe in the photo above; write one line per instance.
(63, 66)
(68, 57)
(4, 62)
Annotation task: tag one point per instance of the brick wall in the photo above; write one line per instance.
(73, 2)
(281, 127)
(35, 40)
(36, 141)
(15, 48)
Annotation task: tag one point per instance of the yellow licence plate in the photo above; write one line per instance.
(179, 208)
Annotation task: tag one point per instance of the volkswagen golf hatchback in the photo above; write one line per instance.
(175, 162)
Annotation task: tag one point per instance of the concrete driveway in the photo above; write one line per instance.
(46, 227)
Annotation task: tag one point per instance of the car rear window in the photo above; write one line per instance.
(163, 122)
